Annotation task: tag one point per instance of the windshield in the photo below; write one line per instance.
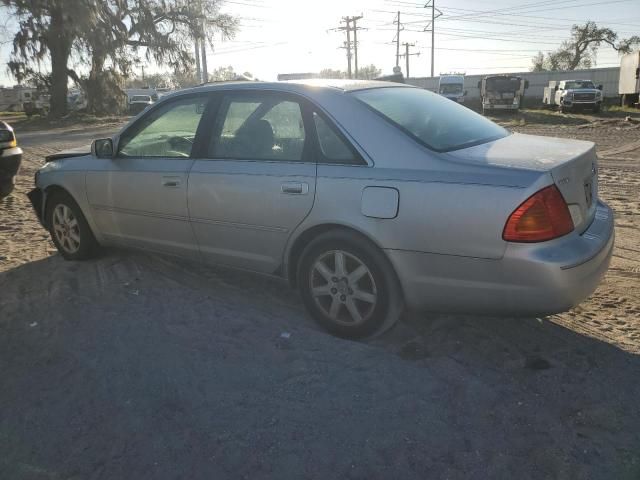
(575, 84)
(503, 84)
(450, 88)
(434, 121)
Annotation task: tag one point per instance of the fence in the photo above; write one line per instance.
(607, 77)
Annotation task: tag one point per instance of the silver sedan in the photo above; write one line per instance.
(369, 197)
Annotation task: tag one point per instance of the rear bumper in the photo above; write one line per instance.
(531, 279)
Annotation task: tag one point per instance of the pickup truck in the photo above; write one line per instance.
(573, 95)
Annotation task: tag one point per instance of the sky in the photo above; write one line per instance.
(473, 37)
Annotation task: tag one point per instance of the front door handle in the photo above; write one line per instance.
(295, 188)
(171, 182)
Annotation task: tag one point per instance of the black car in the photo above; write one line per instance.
(10, 159)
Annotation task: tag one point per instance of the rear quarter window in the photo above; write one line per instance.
(432, 120)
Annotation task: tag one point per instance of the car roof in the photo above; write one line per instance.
(293, 86)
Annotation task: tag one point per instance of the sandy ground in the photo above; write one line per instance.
(141, 366)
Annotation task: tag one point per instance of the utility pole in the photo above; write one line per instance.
(355, 40)
(350, 46)
(406, 54)
(197, 47)
(397, 39)
(432, 28)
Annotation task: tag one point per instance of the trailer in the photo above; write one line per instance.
(629, 83)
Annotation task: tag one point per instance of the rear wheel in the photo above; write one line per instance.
(349, 286)
(69, 229)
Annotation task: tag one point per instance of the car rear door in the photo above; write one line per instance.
(255, 181)
(139, 197)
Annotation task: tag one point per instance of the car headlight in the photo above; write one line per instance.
(599, 93)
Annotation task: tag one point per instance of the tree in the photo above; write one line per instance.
(369, 72)
(330, 73)
(223, 74)
(158, 30)
(111, 36)
(46, 29)
(581, 50)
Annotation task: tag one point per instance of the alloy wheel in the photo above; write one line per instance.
(343, 287)
(66, 228)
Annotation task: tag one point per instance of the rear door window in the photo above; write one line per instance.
(259, 127)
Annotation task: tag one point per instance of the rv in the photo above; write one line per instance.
(11, 99)
(502, 92)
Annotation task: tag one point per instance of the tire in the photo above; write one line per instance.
(6, 187)
(596, 109)
(331, 297)
(69, 229)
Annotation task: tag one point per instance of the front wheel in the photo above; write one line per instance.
(69, 229)
(349, 286)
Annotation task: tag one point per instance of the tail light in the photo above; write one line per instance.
(541, 217)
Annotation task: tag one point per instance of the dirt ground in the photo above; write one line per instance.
(140, 366)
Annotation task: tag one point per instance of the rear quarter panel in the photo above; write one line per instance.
(436, 213)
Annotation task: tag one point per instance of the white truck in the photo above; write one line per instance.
(502, 92)
(572, 95)
(629, 86)
(452, 87)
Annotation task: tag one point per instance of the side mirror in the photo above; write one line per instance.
(102, 148)
(599, 87)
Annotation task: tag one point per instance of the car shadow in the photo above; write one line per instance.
(148, 365)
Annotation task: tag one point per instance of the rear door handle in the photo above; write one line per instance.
(171, 182)
(295, 188)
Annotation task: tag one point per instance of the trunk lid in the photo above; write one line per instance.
(573, 166)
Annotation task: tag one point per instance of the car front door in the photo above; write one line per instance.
(139, 197)
(256, 182)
